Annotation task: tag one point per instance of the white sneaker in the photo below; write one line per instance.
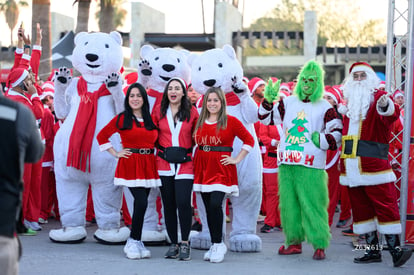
(145, 253)
(32, 225)
(207, 255)
(131, 249)
(218, 251)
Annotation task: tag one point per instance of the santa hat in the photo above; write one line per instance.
(286, 87)
(254, 83)
(17, 76)
(283, 93)
(398, 93)
(333, 93)
(48, 89)
(130, 79)
(179, 79)
(381, 85)
(245, 80)
(360, 66)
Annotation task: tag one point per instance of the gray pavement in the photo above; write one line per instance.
(42, 257)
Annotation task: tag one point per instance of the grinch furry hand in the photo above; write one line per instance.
(272, 90)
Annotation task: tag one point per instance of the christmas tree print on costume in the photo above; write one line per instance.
(296, 135)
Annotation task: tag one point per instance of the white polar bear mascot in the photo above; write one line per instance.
(156, 67)
(220, 68)
(87, 104)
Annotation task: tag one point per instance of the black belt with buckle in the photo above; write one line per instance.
(142, 151)
(272, 154)
(365, 148)
(208, 148)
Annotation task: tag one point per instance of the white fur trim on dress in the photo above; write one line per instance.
(184, 177)
(206, 188)
(246, 147)
(105, 146)
(390, 108)
(147, 183)
(270, 170)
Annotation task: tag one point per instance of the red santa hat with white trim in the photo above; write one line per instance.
(398, 93)
(283, 93)
(381, 85)
(254, 83)
(360, 66)
(16, 77)
(286, 87)
(335, 94)
(48, 89)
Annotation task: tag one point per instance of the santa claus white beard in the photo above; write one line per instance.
(359, 97)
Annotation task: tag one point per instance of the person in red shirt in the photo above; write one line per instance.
(215, 169)
(137, 167)
(176, 119)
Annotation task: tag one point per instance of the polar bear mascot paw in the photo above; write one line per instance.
(68, 235)
(112, 236)
(245, 243)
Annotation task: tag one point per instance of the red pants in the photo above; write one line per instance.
(32, 178)
(48, 194)
(376, 202)
(345, 204)
(270, 191)
(333, 189)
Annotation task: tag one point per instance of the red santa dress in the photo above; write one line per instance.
(210, 174)
(140, 168)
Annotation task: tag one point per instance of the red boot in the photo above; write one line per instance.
(319, 254)
(292, 249)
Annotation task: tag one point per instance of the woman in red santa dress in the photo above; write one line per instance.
(215, 169)
(138, 135)
(176, 119)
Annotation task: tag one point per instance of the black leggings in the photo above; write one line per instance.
(176, 194)
(213, 202)
(140, 206)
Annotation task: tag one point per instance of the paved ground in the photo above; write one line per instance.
(42, 257)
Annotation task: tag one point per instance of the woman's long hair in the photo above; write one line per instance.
(184, 111)
(222, 115)
(128, 114)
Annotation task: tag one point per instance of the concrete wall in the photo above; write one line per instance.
(61, 23)
(143, 19)
(228, 20)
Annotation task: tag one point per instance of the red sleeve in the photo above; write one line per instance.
(241, 132)
(35, 61)
(264, 135)
(24, 62)
(17, 57)
(37, 107)
(107, 131)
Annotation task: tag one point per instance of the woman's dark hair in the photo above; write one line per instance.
(185, 107)
(128, 114)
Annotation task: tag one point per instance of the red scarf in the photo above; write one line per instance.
(80, 142)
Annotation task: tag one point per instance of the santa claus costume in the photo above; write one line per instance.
(365, 168)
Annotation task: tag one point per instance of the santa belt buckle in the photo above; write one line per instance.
(349, 146)
(206, 148)
(142, 151)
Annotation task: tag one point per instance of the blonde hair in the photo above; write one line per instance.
(222, 115)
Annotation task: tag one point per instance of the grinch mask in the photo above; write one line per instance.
(310, 84)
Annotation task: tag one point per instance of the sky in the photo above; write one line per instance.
(185, 16)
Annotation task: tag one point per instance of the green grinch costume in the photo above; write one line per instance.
(310, 127)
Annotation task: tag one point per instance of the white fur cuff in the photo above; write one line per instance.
(390, 108)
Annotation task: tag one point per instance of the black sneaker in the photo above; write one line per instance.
(184, 253)
(197, 226)
(266, 229)
(172, 252)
